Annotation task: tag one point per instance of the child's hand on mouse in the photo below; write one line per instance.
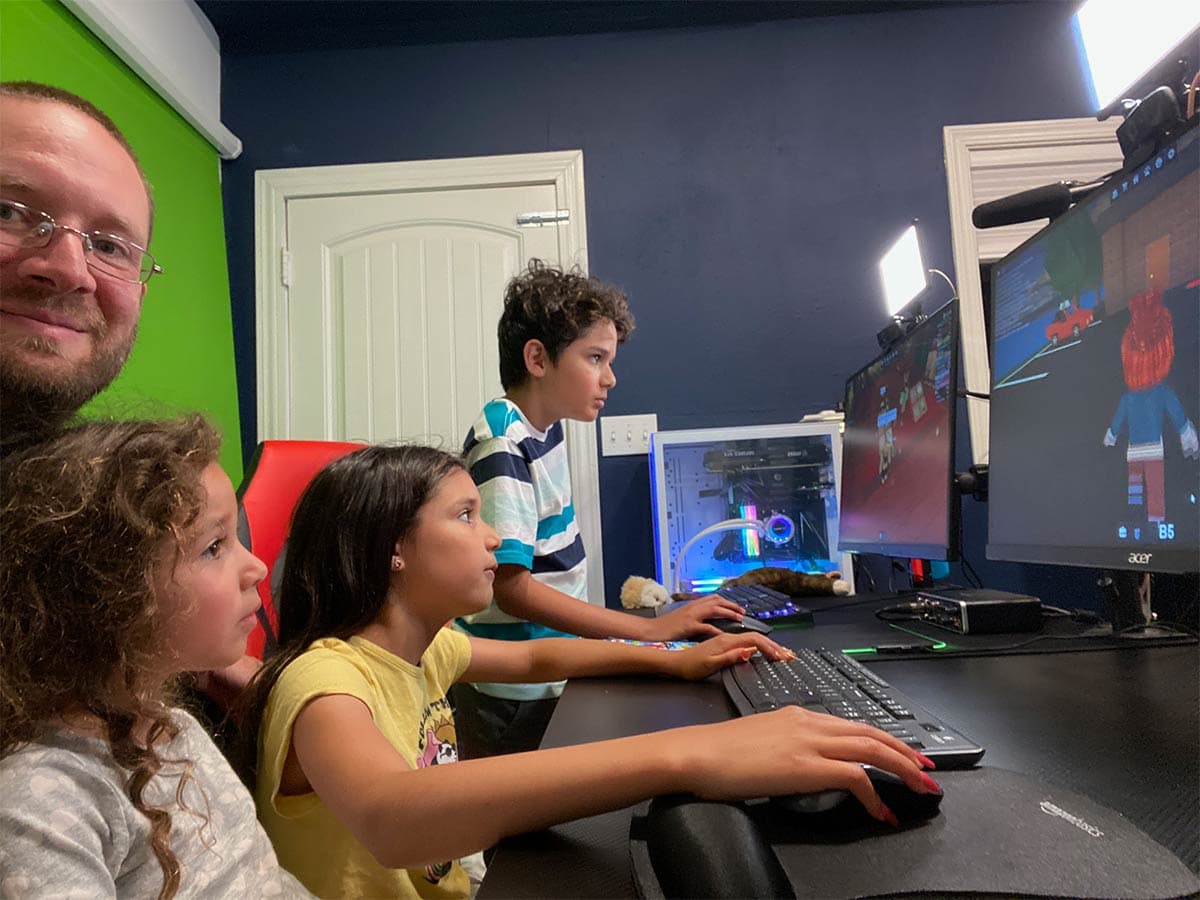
(795, 751)
(688, 620)
(722, 651)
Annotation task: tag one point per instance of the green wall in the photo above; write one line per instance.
(183, 358)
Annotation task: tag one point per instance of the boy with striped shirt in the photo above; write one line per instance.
(558, 339)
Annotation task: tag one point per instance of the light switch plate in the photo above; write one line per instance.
(626, 435)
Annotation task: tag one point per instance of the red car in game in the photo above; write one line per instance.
(1068, 323)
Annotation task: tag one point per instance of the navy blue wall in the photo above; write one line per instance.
(741, 182)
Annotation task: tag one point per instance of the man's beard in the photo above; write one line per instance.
(33, 405)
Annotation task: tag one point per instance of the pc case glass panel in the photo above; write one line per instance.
(783, 475)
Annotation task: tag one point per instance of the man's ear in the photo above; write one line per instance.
(537, 358)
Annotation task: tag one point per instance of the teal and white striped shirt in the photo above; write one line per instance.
(525, 484)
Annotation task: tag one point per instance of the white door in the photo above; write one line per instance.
(383, 326)
(393, 308)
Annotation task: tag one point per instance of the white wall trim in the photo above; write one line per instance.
(146, 37)
(986, 162)
(273, 188)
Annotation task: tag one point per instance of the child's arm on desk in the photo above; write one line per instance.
(520, 595)
(411, 817)
(553, 659)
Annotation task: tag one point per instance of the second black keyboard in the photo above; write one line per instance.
(829, 681)
(767, 604)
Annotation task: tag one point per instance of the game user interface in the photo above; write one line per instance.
(898, 448)
(785, 476)
(1095, 393)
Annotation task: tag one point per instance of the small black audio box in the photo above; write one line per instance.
(979, 611)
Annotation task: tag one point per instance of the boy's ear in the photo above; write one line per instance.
(537, 359)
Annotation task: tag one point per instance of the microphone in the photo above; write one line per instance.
(1046, 202)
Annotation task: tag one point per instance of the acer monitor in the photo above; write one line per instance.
(1095, 394)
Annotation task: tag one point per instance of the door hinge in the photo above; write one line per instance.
(285, 267)
(538, 219)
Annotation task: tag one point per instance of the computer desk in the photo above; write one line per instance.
(1121, 726)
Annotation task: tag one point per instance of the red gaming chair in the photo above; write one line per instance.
(271, 488)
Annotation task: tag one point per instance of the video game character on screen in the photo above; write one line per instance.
(887, 439)
(1147, 351)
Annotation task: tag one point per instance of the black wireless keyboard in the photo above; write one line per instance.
(768, 605)
(829, 681)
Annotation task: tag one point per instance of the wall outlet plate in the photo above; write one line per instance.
(627, 435)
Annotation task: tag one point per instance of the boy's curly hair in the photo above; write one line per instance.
(88, 519)
(555, 307)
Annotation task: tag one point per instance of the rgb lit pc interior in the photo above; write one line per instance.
(783, 478)
(898, 446)
(1095, 395)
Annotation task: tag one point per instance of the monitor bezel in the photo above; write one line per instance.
(950, 551)
(661, 440)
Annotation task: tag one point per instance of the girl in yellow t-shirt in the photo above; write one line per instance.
(354, 729)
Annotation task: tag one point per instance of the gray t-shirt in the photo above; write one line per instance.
(69, 829)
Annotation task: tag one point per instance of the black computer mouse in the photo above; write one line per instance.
(702, 848)
(733, 626)
(839, 808)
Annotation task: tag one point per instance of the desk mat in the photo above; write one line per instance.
(998, 834)
(842, 623)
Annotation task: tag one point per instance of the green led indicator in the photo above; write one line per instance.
(857, 651)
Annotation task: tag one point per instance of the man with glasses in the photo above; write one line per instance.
(75, 220)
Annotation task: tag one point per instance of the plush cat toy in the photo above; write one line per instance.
(639, 593)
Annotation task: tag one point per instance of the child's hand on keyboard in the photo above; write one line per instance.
(726, 650)
(688, 620)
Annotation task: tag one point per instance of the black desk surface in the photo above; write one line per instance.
(1121, 726)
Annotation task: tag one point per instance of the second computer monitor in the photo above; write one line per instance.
(898, 447)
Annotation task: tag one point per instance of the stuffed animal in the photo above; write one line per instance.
(787, 581)
(643, 593)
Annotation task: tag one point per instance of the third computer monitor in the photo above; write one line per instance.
(1095, 396)
(898, 447)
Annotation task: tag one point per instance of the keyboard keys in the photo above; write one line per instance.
(828, 681)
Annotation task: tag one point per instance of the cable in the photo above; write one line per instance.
(968, 568)
(953, 289)
(901, 612)
(1191, 95)
(726, 525)
(975, 394)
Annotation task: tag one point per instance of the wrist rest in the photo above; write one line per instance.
(998, 834)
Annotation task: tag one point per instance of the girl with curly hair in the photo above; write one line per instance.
(121, 570)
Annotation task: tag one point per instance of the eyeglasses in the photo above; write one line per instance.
(21, 226)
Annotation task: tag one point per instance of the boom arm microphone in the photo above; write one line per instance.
(1046, 202)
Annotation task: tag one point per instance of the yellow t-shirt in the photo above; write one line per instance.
(409, 706)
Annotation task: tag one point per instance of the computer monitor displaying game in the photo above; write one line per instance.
(898, 447)
(785, 477)
(1095, 394)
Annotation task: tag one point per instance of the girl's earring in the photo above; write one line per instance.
(397, 563)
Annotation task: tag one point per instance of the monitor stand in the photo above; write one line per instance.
(1127, 604)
